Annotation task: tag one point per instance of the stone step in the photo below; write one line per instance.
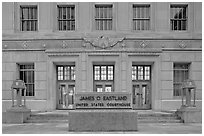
(143, 117)
(159, 121)
(46, 121)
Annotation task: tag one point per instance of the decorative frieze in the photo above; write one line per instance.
(143, 44)
(182, 44)
(44, 45)
(64, 44)
(114, 52)
(103, 42)
(25, 45)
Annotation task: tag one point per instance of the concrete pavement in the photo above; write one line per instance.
(62, 128)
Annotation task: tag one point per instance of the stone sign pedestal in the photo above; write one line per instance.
(17, 115)
(190, 114)
(103, 120)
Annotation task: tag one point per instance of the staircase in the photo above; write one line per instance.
(143, 117)
(157, 117)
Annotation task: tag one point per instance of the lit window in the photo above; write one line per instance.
(66, 17)
(140, 73)
(66, 73)
(141, 17)
(181, 73)
(27, 75)
(28, 18)
(178, 17)
(103, 17)
(103, 78)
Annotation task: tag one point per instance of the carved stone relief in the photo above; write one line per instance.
(103, 42)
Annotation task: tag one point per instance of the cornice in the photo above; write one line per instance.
(115, 52)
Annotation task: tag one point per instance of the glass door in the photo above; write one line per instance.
(65, 86)
(141, 96)
(65, 96)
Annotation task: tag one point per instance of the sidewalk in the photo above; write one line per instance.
(62, 128)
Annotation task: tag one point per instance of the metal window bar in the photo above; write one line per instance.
(103, 17)
(141, 18)
(27, 75)
(66, 17)
(28, 20)
(178, 17)
(181, 72)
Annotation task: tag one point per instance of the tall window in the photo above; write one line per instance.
(141, 73)
(103, 78)
(66, 17)
(141, 17)
(27, 75)
(66, 73)
(179, 17)
(181, 73)
(28, 18)
(103, 17)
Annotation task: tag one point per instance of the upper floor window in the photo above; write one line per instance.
(103, 17)
(141, 17)
(27, 75)
(28, 18)
(179, 17)
(66, 17)
(181, 73)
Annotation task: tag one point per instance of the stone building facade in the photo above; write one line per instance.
(145, 49)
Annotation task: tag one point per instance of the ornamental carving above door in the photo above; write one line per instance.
(103, 42)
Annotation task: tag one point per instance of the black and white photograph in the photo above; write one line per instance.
(101, 67)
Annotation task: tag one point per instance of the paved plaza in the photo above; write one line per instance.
(62, 128)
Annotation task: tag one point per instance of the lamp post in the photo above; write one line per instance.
(18, 113)
(188, 111)
(187, 87)
(20, 88)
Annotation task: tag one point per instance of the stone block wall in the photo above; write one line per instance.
(169, 102)
(10, 72)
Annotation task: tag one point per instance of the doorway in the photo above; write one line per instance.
(65, 86)
(65, 95)
(141, 95)
(141, 86)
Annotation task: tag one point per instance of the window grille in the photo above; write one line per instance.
(103, 78)
(141, 17)
(181, 73)
(66, 17)
(66, 73)
(28, 18)
(27, 75)
(141, 73)
(103, 17)
(179, 17)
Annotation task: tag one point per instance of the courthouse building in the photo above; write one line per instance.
(58, 49)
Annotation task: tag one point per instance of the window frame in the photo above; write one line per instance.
(173, 19)
(27, 19)
(106, 19)
(25, 70)
(180, 83)
(143, 75)
(69, 73)
(114, 16)
(136, 19)
(66, 6)
(101, 82)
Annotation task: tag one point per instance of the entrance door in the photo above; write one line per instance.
(141, 95)
(65, 95)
